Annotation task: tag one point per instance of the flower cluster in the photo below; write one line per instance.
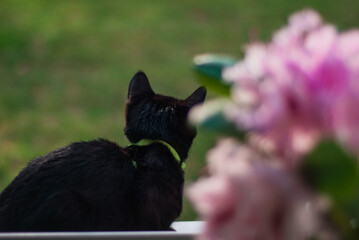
(287, 95)
(299, 88)
(247, 198)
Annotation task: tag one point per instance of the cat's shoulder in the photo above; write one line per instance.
(81, 150)
(95, 145)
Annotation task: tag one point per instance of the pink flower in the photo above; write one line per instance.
(345, 108)
(346, 119)
(298, 88)
(248, 198)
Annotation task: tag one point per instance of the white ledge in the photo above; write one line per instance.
(183, 230)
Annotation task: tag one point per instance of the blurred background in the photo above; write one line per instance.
(65, 66)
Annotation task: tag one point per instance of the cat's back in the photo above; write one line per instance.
(78, 165)
(87, 173)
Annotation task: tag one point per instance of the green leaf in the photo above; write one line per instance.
(209, 69)
(210, 116)
(344, 222)
(332, 171)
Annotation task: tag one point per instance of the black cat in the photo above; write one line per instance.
(100, 186)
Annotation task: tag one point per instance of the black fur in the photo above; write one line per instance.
(94, 186)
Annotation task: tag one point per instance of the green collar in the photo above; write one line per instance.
(144, 142)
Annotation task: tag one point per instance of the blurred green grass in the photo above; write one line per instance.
(65, 65)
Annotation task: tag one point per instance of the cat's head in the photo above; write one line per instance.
(157, 117)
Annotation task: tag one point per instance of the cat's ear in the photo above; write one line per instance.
(197, 97)
(139, 86)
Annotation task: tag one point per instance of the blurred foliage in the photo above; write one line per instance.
(210, 117)
(334, 172)
(65, 65)
(209, 69)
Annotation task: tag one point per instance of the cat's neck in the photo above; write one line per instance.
(181, 146)
(169, 147)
